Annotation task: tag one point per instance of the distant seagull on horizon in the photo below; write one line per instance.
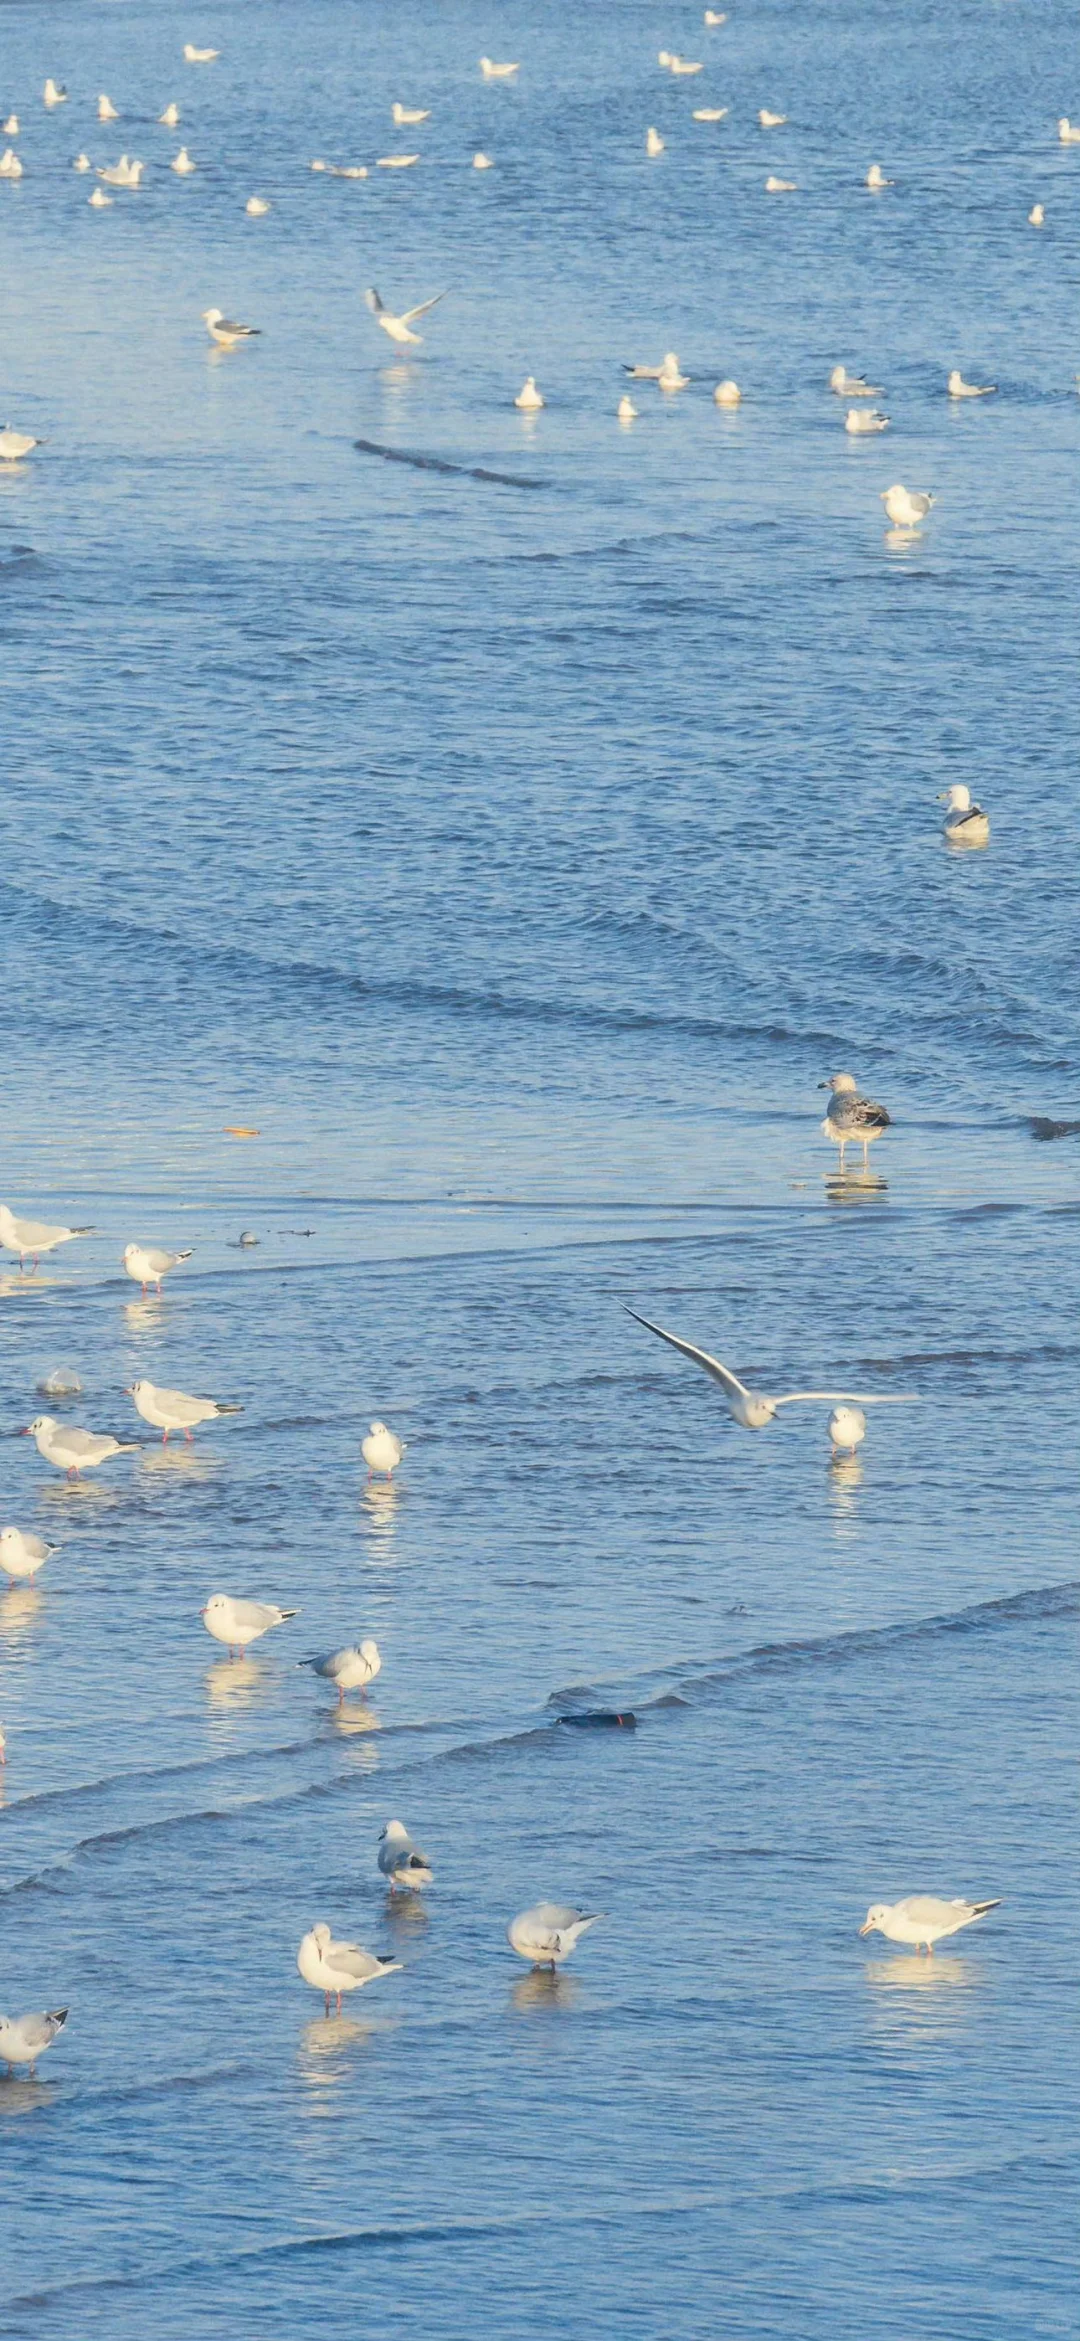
(727, 394)
(398, 327)
(709, 113)
(715, 16)
(99, 201)
(1068, 132)
(182, 164)
(10, 128)
(753, 1410)
(106, 111)
(10, 166)
(775, 186)
(770, 121)
(1036, 216)
(481, 161)
(171, 115)
(54, 93)
(906, 507)
(626, 410)
(256, 207)
(654, 144)
(81, 162)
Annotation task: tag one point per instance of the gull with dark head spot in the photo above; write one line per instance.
(923, 1919)
(752, 1409)
(174, 1410)
(148, 1263)
(401, 1860)
(351, 1669)
(238, 1623)
(851, 1116)
(23, 1554)
(399, 328)
(23, 2039)
(72, 1450)
(382, 1450)
(333, 1968)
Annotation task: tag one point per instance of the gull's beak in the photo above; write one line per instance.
(823, 1084)
(24, 1433)
(867, 1929)
(943, 796)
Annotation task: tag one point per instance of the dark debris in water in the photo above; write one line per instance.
(599, 1719)
(439, 463)
(1042, 1126)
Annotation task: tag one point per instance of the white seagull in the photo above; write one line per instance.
(21, 1554)
(852, 1116)
(99, 201)
(906, 507)
(546, 1934)
(709, 113)
(194, 56)
(398, 327)
(1036, 216)
(237, 1622)
(106, 111)
(1068, 132)
(481, 161)
(225, 332)
(727, 394)
(81, 162)
(682, 65)
(342, 170)
(965, 823)
(54, 93)
(401, 1860)
(125, 173)
(528, 397)
(382, 1450)
(351, 1669)
(752, 1409)
(30, 1236)
(337, 1967)
(770, 121)
(626, 410)
(714, 16)
(147, 1263)
(654, 144)
(876, 179)
(23, 2039)
(846, 1428)
(859, 420)
(923, 1918)
(396, 162)
(669, 377)
(10, 166)
(495, 72)
(405, 116)
(775, 186)
(852, 385)
(13, 446)
(72, 1450)
(171, 115)
(173, 1410)
(256, 207)
(182, 164)
(958, 388)
(10, 128)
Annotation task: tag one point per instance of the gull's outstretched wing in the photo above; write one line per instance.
(850, 1397)
(729, 1382)
(423, 307)
(374, 301)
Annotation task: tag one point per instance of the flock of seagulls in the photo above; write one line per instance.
(546, 1934)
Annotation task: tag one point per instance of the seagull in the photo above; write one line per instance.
(626, 410)
(493, 72)
(528, 397)
(546, 1934)
(54, 93)
(99, 201)
(775, 186)
(171, 115)
(851, 1116)
(21, 1554)
(71, 1450)
(727, 394)
(906, 506)
(13, 446)
(965, 823)
(395, 162)
(382, 1450)
(860, 419)
(958, 388)
(342, 170)
(709, 113)
(852, 385)
(226, 333)
(351, 1669)
(256, 207)
(81, 162)
(10, 166)
(398, 327)
(106, 111)
(654, 144)
(23, 2039)
(481, 161)
(751, 1408)
(922, 1918)
(846, 1427)
(173, 1410)
(33, 1236)
(193, 56)
(336, 1967)
(238, 1622)
(1068, 132)
(715, 16)
(401, 1860)
(145, 1263)
(669, 377)
(770, 121)
(125, 173)
(182, 164)
(10, 128)
(876, 179)
(407, 115)
(653, 373)
(1036, 216)
(683, 65)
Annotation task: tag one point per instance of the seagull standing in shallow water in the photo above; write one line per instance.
(923, 1918)
(401, 1860)
(906, 507)
(752, 1409)
(852, 1116)
(546, 1934)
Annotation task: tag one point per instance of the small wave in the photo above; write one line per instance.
(463, 471)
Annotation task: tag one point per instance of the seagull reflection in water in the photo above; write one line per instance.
(845, 1477)
(234, 1682)
(19, 2094)
(918, 2002)
(192, 1463)
(144, 1316)
(18, 1609)
(353, 1723)
(380, 1502)
(328, 2038)
(540, 1990)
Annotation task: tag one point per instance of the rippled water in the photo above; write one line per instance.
(516, 854)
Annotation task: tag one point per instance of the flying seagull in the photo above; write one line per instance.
(398, 327)
(752, 1408)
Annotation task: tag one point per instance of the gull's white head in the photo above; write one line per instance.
(956, 381)
(838, 377)
(138, 1389)
(841, 1085)
(375, 1428)
(957, 798)
(393, 1831)
(321, 1935)
(216, 1605)
(874, 1916)
(210, 317)
(369, 1650)
(41, 1426)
